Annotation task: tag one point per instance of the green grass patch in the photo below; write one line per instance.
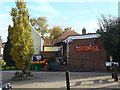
(8, 68)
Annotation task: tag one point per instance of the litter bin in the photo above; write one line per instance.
(37, 67)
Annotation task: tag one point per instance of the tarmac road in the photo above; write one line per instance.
(58, 80)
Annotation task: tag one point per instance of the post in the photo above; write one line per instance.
(116, 73)
(68, 80)
(112, 70)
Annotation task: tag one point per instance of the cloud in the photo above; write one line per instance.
(91, 27)
(82, 0)
(3, 31)
(62, 0)
(5, 21)
(81, 12)
(44, 7)
(62, 23)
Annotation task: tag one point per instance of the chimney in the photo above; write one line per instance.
(83, 31)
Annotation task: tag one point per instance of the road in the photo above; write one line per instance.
(57, 80)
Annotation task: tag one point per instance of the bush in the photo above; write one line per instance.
(17, 74)
(2, 62)
(29, 73)
(21, 74)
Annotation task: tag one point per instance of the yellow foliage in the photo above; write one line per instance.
(2, 62)
(20, 35)
(55, 32)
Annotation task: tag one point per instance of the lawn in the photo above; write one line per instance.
(8, 68)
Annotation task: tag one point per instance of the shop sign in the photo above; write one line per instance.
(87, 48)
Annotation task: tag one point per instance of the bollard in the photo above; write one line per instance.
(68, 80)
(112, 70)
(116, 73)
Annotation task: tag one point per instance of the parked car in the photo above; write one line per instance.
(5, 86)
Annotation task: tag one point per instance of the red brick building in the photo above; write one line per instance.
(84, 52)
(86, 58)
(49, 43)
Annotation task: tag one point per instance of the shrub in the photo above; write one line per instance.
(29, 73)
(21, 74)
(17, 73)
(2, 62)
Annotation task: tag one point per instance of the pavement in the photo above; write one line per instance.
(58, 80)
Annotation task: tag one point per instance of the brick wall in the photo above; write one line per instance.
(94, 60)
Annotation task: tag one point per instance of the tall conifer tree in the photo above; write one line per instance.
(6, 56)
(20, 35)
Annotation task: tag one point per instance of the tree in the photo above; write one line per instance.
(55, 32)
(40, 24)
(110, 35)
(6, 56)
(68, 28)
(20, 35)
(47, 37)
(33, 21)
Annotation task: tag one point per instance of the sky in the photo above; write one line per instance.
(64, 13)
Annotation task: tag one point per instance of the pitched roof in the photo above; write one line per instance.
(67, 33)
(50, 42)
(86, 36)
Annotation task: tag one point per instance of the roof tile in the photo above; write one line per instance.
(67, 33)
(50, 42)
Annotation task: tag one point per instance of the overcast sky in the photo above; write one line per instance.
(64, 13)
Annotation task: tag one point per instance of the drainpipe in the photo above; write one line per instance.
(40, 45)
(67, 52)
(62, 50)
